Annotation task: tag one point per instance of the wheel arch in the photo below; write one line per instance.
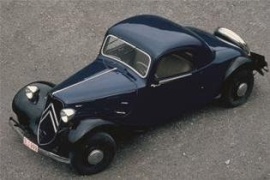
(237, 64)
(89, 126)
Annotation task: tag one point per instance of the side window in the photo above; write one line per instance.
(174, 64)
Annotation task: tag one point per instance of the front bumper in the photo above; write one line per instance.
(16, 126)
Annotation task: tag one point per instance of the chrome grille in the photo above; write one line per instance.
(48, 126)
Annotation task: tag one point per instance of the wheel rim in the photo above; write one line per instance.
(95, 157)
(242, 89)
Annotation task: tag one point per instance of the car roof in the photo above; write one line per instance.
(154, 35)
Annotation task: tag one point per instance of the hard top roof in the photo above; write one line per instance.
(153, 34)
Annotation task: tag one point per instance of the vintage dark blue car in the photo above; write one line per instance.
(149, 69)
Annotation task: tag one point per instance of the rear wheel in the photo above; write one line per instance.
(93, 154)
(238, 88)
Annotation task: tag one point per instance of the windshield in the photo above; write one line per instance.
(134, 58)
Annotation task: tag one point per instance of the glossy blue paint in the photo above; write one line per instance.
(106, 83)
(154, 34)
(100, 87)
(107, 92)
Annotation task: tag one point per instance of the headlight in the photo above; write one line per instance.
(31, 92)
(67, 114)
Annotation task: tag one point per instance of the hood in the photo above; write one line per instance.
(96, 81)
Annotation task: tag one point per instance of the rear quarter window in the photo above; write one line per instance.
(174, 64)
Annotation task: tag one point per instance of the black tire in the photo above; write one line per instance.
(230, 95)
(79, 155)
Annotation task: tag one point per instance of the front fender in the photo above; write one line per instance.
(28, 112)
(87, 126)
(240, 61)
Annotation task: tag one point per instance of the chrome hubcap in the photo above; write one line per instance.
(242, 89)
(95, 157)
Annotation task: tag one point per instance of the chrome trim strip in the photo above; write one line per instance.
(51, 117)
(47, 112)
(55, 117)
(174, 78)
(54, 156)
(124, 102)
(150, 60)
(155, 85)
(46, 109)
(120, 112)
(87, 79)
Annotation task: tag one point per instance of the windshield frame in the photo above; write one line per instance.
(133, 69)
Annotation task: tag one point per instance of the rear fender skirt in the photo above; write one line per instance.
(85, 127)
(240, 61)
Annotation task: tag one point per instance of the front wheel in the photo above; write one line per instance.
(93, 154)
(238, 88)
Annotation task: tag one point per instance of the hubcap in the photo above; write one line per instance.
(242, 89)
(95, 157)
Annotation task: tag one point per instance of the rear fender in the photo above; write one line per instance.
(86, 127)
(236, 64)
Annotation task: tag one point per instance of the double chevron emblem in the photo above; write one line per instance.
(46, 133)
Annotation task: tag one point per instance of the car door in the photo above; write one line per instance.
(176, 85)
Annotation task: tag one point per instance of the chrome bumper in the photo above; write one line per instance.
(15, 125)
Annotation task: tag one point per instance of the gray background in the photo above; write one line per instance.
(50, 40)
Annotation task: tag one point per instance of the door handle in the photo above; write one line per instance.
(155, 85)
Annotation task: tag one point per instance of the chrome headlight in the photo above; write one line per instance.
(31, 92)
(67, 114)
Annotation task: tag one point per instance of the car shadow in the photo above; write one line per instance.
(126, 139)
(130, 142)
